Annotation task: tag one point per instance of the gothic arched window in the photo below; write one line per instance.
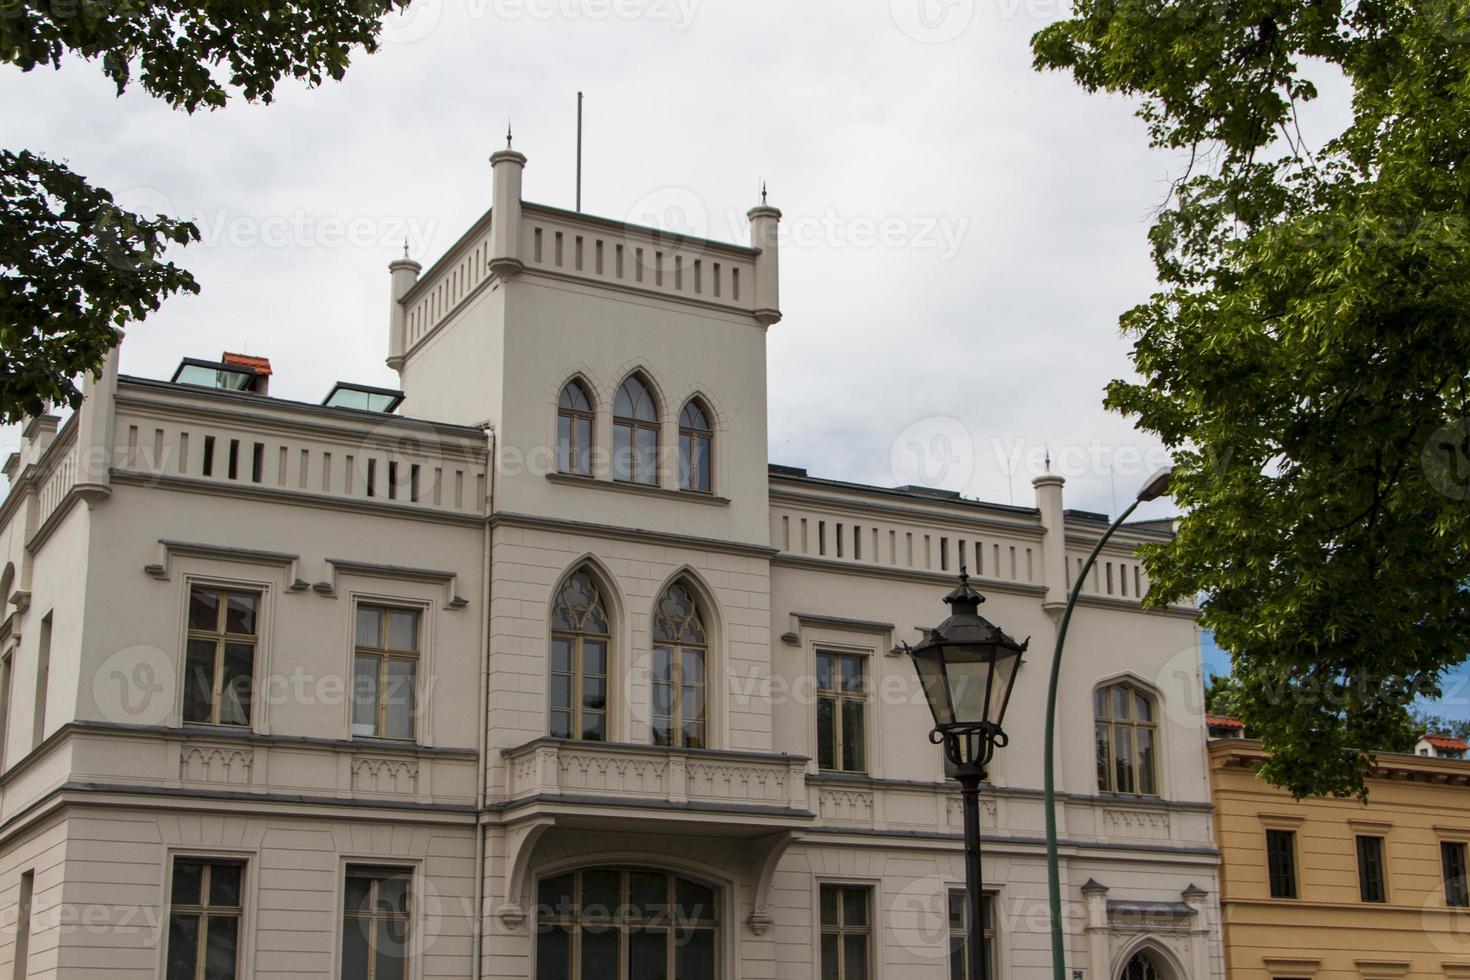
(580, 635)
(679, 666)
(1127, 757)
(574, 431)
(635, 433)
(696, 440)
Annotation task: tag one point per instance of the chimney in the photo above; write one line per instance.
(94, 429)
(505, 220)
(764, 223)
(259, 366)
(405, 273)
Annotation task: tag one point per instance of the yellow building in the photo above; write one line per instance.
(1331, 889)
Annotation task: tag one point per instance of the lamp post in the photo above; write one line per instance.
(967, 667)
(1156, 487)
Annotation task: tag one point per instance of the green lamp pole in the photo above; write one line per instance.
(1156, 487)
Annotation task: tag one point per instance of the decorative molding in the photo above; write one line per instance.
(168, 550)
(625, 534)
(1139, 824)
(399, 777)
(228, 764)
(845, 805)
(452, 599)
(664, 493)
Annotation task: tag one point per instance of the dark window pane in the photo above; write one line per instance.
(554, 953)
(199, 681)
(1281, 863)
(826, 671)
(1104, 759)
(600, 893)
(854, 907)
(854, 958)
(594, 727)
(957, 910)
(355, 949)
(235, 692)
(826, 740)
(554, 895)
(694, 954)
(694, 900)
(1370, 869)
(622, 452)
(400, 698)
(957, 963)
(648, 894)
(564, 444)
(188, 880)
(220, 956)
(599, 953)
(594, 656)
(1123, 757)
(648, 954)
(403, 630)
(1456, 892)
(392, 949)
(240, 613)
(853, 739)
(852, 675)
(359, 893)
(1146, 783)
(183, 946)
(204, 609)
(582, 464)
(829, 958)
(561, 724)
(224, 886)
(561, 691)
(829, 906)
(594, 692)
(561, 654)
(647, 456)
(393, 894)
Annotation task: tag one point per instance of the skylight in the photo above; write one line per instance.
(364, 398)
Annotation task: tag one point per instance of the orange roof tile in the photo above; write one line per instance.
(1446, 742)
(260, 365)
(1223, 721)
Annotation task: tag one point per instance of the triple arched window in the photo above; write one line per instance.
(580, 665)
(636, 436)
(1126, 732)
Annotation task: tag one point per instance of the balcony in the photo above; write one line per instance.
(613, 785)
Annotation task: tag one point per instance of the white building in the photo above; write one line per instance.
(297, 690)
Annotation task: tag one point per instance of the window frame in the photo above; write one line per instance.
(1457, 890)
(1102, 696)
(385, 655)
(841, 930)
(1365, 880)
(365, 867)
(635, 425)
(574, 415)
(574, 921)
(221, 639)
(691, 435)
(1290, 888)
(203, 911)
(577, 672)
(960, 934)
(839, 698)
(676, 650)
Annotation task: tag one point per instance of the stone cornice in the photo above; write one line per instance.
(538, 523)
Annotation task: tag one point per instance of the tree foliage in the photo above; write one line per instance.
(73, 265)
(1307, 353)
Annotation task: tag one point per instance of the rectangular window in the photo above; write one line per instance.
(1281, 862)
(959, 932)
(1452, 856)
(842, 703)
(219, 667)
(1371, 881)
(375, 924)
(43, 681)
(204, 920)
(23, 926)
(385, 666)
(846, 932)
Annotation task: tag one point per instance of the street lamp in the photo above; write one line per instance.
(1156, 487)
(967, 667)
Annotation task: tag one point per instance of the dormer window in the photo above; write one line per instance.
(232, 372)
(363, 398)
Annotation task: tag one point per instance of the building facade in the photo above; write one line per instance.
(1332, 889)
(566, 681)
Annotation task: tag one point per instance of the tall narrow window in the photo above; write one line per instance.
(842, 703)
(1281, 862)
(679, 675)
(574, 431)
(375, 924)
(696, 438)
(959, 934)
(629, 923)
(204, 920)
(635, 433)
(1124, 727)
(220, 664)
(22, 958)
(579, 647)
(1371, 883)
(1452, 857)
(385, 666)
(43, 682)
(847, 932)
(7, 671)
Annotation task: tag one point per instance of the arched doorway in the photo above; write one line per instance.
(1142, 966)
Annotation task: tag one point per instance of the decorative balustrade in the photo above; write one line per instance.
(174, 433)
(555, 768)
(58, 476)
